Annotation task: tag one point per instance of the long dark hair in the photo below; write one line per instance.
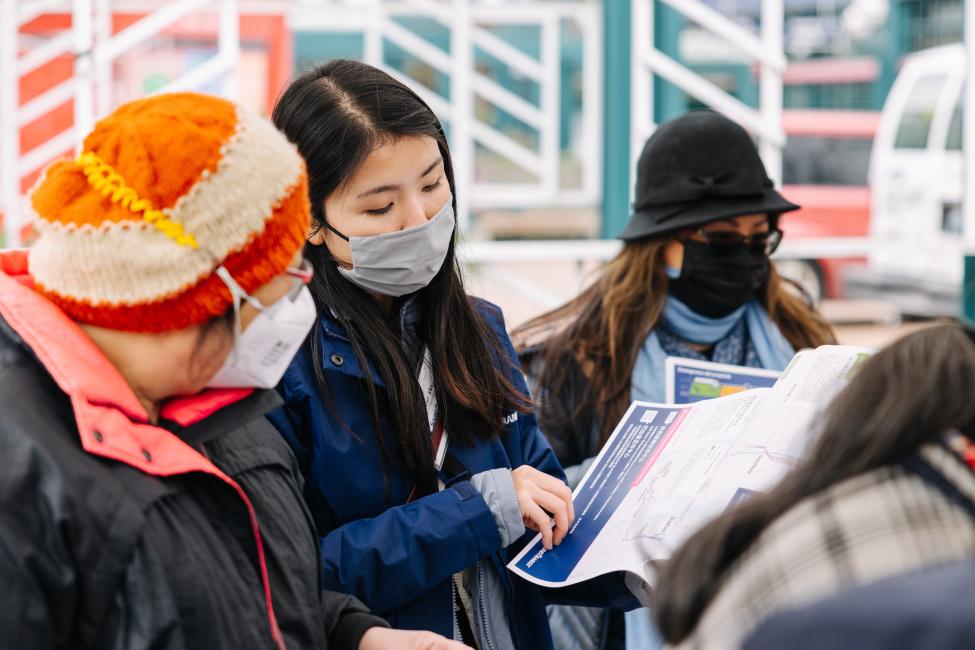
(587, 347)
(908, 394)
(337, 114)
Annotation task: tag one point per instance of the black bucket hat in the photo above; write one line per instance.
(699, 168)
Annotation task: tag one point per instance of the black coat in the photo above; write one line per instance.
(96, 553)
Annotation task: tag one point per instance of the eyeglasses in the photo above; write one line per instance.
(727, 241)
(299, 277)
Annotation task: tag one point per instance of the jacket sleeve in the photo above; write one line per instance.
(387, 560)
(608, 590)
(32, 598)
(38, 583)
(346, 620)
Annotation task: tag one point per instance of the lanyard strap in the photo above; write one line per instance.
(438, 436)
(437, 433)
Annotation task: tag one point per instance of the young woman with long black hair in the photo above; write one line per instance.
(407, 409)
(887, 490)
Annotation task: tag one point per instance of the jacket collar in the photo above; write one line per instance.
(111, 421)
(340, 358)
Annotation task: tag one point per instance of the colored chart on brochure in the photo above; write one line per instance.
(669, 468)
(690, 380)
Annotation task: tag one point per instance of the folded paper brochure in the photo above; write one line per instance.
(669, 468)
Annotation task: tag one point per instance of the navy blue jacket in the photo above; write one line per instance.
(924, 610)
(398, 559)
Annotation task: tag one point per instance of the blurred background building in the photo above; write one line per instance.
(546, 103)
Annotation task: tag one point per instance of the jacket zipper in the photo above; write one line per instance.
(335, 335)
(509, 602)
(453, 610)
(482, 610)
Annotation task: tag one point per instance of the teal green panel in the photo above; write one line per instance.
(894, 47)
(968, 291)
(416, 68)
(736, 79)
(499, 72)
(616, 116)
(668, 100)
(526, 38)
(428, 29)
(314, 47)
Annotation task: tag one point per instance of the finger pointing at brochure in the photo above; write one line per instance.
(543, 498)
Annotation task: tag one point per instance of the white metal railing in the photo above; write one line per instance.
(601, 250)
(471, 26)
(766, 51)
(95, 48)
(496, 258)
(15, 164)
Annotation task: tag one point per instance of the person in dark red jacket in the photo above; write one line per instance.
(145, 501)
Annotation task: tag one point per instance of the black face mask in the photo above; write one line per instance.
(714, 283)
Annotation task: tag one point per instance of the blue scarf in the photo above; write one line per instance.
(647, 381)
(691, 327)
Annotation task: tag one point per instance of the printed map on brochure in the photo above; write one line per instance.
(667, 469)
(689, 380)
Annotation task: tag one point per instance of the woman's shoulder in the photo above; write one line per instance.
(524, 340)
(928, 609)
(489, 311)
(890, 520)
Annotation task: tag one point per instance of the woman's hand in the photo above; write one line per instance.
(382, 638)
(543, 498)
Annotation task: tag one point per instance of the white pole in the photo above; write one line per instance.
(229, 45)
(969, 127)
(373, 37)
(462, 102)
(770, 85)
(550, 133)
(591, 153)
(103, 64)
(164, 15)
(9, 128)
(82, 26)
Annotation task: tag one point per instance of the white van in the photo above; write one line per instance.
(916, 172)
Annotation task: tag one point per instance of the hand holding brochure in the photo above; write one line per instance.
(667, 469)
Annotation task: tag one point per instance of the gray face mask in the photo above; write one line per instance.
(401, 262)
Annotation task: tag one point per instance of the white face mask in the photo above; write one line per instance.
(262, 352)
(401, 262)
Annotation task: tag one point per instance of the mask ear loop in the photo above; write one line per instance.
(332, 228)
(238, 295)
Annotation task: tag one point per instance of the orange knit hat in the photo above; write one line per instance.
(165, 190)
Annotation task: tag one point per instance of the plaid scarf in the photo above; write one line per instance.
(883, 523)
